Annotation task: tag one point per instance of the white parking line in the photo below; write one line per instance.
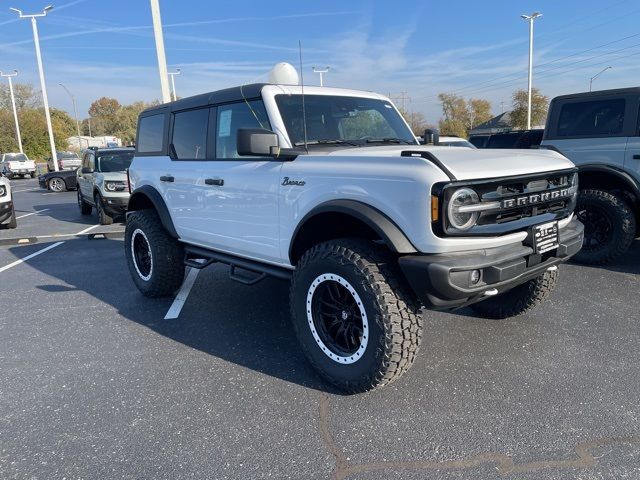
(183, 294)
(27, 190)
(45, 249)
(32, 213)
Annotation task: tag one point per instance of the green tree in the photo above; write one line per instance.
(25, 95)
(104, 116)
(459, 116)
(539, 107)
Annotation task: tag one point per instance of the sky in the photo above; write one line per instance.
(422, 48)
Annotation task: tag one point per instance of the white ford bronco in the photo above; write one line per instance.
(7, 209)
(330, 189)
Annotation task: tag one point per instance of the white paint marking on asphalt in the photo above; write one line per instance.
(45, 249)
(29, 257)
(178, 303)
(32, 213)
(52, 193)
(26, 190)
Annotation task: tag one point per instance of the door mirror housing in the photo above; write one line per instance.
(257, 142)
(86, 170)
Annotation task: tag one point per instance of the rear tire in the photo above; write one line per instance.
(610, 227)
(359, 325)
(103, 217)
(518, 300)
(154, 258)
(85, 208)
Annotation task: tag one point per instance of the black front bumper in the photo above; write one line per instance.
(443, 281)
(6, 210)
(115, 205)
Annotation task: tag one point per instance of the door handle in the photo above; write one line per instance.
(636, 157)
(214, 181)
(166, 178)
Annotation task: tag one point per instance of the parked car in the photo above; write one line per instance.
(17, 164)
(7, 208)
(367, 224)
(102, 182)
(66, 161)
(598, 131)
(512, 139)
(59, 181)
(444, 141)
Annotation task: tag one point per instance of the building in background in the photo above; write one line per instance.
(104, 141)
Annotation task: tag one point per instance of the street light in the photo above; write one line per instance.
(597, 75)
(530, 19)
(13, 103)
(321, 72)
(75, 113)
(162, 58)
(45, 99)
(173, 82)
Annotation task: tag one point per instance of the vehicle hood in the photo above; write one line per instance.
(470, 164)
(113, 176)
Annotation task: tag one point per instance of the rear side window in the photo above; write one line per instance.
(503, 140)
(150, 134)
(190, 134)
(251, 114)
(601, 117)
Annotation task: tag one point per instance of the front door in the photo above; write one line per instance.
(85, 180)
(632, 154)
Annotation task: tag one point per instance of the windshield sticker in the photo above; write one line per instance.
(224, 128)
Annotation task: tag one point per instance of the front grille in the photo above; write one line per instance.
(521, 202)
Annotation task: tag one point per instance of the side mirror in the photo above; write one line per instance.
(431, 137)
(86, 170)
(257, 142)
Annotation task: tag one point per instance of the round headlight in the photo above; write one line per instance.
(2, 190)
(110, 186)
(461, 220)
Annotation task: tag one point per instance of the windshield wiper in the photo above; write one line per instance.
(389, 140)
(326, 142)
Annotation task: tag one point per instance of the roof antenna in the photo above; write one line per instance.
(304, 112)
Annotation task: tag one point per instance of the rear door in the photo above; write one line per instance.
(632, 154)
(592, 130)
(85, 180)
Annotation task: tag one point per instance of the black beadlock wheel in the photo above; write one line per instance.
(155, 259)
(609, 227)
(357, 321)
(519, 300)
(85, 208)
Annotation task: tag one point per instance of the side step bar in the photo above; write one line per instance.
(260, 270)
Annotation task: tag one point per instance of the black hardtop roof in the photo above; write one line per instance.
(598, 93)
(233, 94)
(111, 149)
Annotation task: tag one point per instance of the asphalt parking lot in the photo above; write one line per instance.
(95, 383)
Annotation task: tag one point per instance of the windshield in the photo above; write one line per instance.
(114, 162)
(68, 155)
(15, 156)
(336, 119)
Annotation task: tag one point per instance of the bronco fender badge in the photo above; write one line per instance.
(298, 183)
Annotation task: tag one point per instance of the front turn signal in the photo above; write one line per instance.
(435, 208)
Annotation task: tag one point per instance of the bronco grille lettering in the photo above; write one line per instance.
(536, 198)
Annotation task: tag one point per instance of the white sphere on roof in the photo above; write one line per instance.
(284, 74)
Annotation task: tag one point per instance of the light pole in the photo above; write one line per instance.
(45, 99)
(75, 113)
(530, 19)
(173, 82)
(596, 76)
(162, 58)
(321, 71)
(13, 103)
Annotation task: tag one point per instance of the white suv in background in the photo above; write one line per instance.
(342, 201)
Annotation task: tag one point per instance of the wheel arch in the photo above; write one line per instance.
(611, 179)
(146, 198)
(346, 218)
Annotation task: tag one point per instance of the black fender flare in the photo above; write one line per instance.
(157, 201)
(384, 227)
(624, 177)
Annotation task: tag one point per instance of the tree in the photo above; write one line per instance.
(104, 113)
(25, 95)
(539, 107)
(416, 121)
(460, 116)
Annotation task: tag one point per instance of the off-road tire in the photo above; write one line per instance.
(13, 223)
(622, 219)
(167, 255)
(392, 311)
(103, 217)
(518, 300)
(85, 208)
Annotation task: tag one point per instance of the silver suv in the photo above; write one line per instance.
(102, 182)
(66, 161)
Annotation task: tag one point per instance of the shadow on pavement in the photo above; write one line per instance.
(248, 326)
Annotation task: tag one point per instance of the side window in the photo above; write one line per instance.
(150, 134)
(601, 117)
(190, 134)
(234, 116)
